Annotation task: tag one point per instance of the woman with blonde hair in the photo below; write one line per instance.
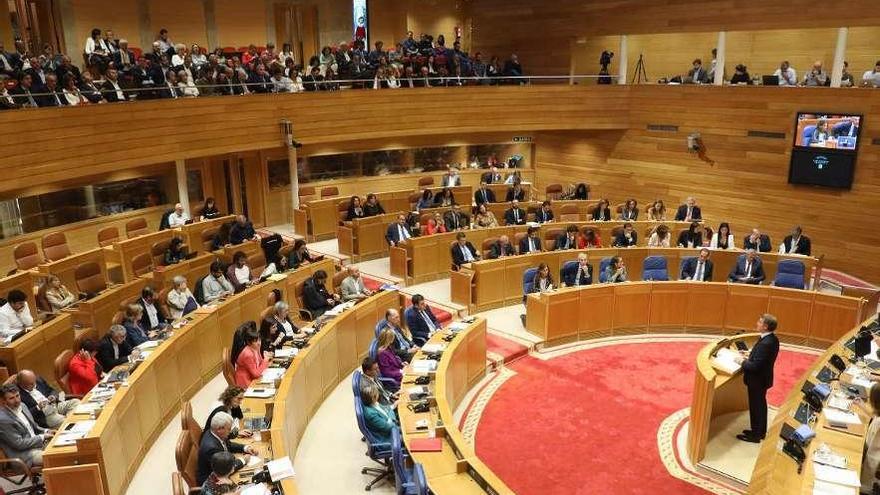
(57, 294)
(660, 237)
(657, 211)
(485, 219)
(390, 364)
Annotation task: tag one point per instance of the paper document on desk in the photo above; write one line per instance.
(457, 326)
(68, 438)
(339, 308)
(824, 488)
(836, 417)
(259, 393)
(277, 277)
(272, 374)
(87, 408)
(432, 348)
(280, 469)
(725, 360)
(80, 427)
(839, 403)
(260, 489)
(424, 365)
(286, 352)
(150, 344)
(833, 475)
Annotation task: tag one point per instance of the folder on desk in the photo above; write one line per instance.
(426, 445)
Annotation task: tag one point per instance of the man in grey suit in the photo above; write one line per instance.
(352, 286)
(20, 436)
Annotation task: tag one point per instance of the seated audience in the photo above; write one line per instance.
(589, 239)
(178, 217)
(215, 285)
(209, 210)
(242, 230)
(239, 273)
(484, 218)
(84, 371)
(627, 237)
(544, 214)
(757, 241)
(251, 361)
(515, 193)
(152, 316)
(426, 201)
(114, 348)
(223, 465)
(180, 300)
(352, 287)
(531, 243)
(602, 212)
(515, 215)
(300, 255)
(568, 240)
(582, 274)
(630, 211)
(444, 198)
(484, 195)
(748, 269)
(501, 248)
(274, 267)
(543, 280)
(692, 237)
(741, 75)
(43, 401)
(316, 299)
(699, 269)
(421, 320)
(615, 271)
(20, 436)
(435, 225)
(390, 363)
(795, 243)
(378, 417)
(370, 371)
(15, 315)
(660, 237)
(57, 294)
(175, 252)
(230, 403)
(355, 210)
(723, 239)
(454, 219)
(216, 440)
(657, 211)
(135, 333)
(786, 74)
(372, 207)
(398, 232)
(688, 212)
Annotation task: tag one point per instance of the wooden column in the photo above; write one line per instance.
(721, 48)
(622, 60)
(182, 190)
(839, 57)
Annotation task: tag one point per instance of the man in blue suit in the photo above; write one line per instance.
(757, 366)
(420, 320)
(398, 231)
(580, 274)
(848, 128)
(698, 269)
(748, 270)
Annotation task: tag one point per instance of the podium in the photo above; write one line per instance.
(715, 393)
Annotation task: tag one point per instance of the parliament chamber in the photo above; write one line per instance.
(291, 226)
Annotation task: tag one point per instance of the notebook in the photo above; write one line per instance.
(426, 445)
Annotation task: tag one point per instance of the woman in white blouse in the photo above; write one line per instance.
(722, 239)
(198, 58)
(179, 53)
(180, 299)
(660, 237)
(186, 85)
(57, 294)
(71, 93)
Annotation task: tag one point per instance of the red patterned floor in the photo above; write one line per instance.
(586, 422)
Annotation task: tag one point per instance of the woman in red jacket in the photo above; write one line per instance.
(251, 363)
(436, 225)
(82, 371)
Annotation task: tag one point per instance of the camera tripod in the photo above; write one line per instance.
(640, 73)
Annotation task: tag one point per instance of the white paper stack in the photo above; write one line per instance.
(260, 489)
(431, 348)
(272, 374)
(87, 408)
(840, 403)
(276, 277)
(280, 469)
(424, 365)
(418, 389)
(824, 488)
(339, 308)
(68, 438)
(457, 326)
(286, 352)
(835, 476)
(843, 419)
(150, 344)
(259, 393)
(725, 360)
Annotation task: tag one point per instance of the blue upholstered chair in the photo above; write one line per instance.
(654, 268)
(681, 266)
(420, 481)
(790, 273)
(807, 134)
(379, 326)
(379, 452)
(603, 264)
(528, 280)
(403, 477)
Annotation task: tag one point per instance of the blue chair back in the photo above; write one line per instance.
(567, 271)
(402, 475)
(790, 273)
(808, 133)
(376, 450)
(420, 481)
(603, 264)
(528, 280)
(654, 268)
(374, 349)
(379, 326)
(356, 384)
(681, 266)
(407, 314)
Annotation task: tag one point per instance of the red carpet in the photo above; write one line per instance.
(586, 422)
(504, 347)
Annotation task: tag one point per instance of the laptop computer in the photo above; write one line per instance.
(770, 80)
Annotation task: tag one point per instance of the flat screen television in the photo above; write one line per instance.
(825, 149)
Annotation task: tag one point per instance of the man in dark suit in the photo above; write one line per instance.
(38, 75)
(420, 320)
(314, 81)
(544, 213)
(484, 194)
(757, 241)
(626, 238)
(152, 317)
(757, 366)
(568, 240)
(493, 176)
(260, 81)
(23, 94)
(123, 58)
(450, 178)
(66, 67)
(796, 243)
(515, 215)
(688, 212)
(316, 299)
(463, 251)
(699, 269)
(748, 269)
(111, 88)
(697, 74)
(114, 349)
(242, 230)
(217, 440)
(398, 231)
(42, 400)
(515, 193)
(530, 243)
(580, 274)
(454, 219)
(53, 97)
(501, 248)
(847, 128)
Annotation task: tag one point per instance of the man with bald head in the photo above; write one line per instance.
(688, 212)
(178, 217)
(501, 248)
(352, 287)
(46, 405)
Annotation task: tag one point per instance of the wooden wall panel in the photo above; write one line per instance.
(122, 18)
(240, 23)
(185, 21)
